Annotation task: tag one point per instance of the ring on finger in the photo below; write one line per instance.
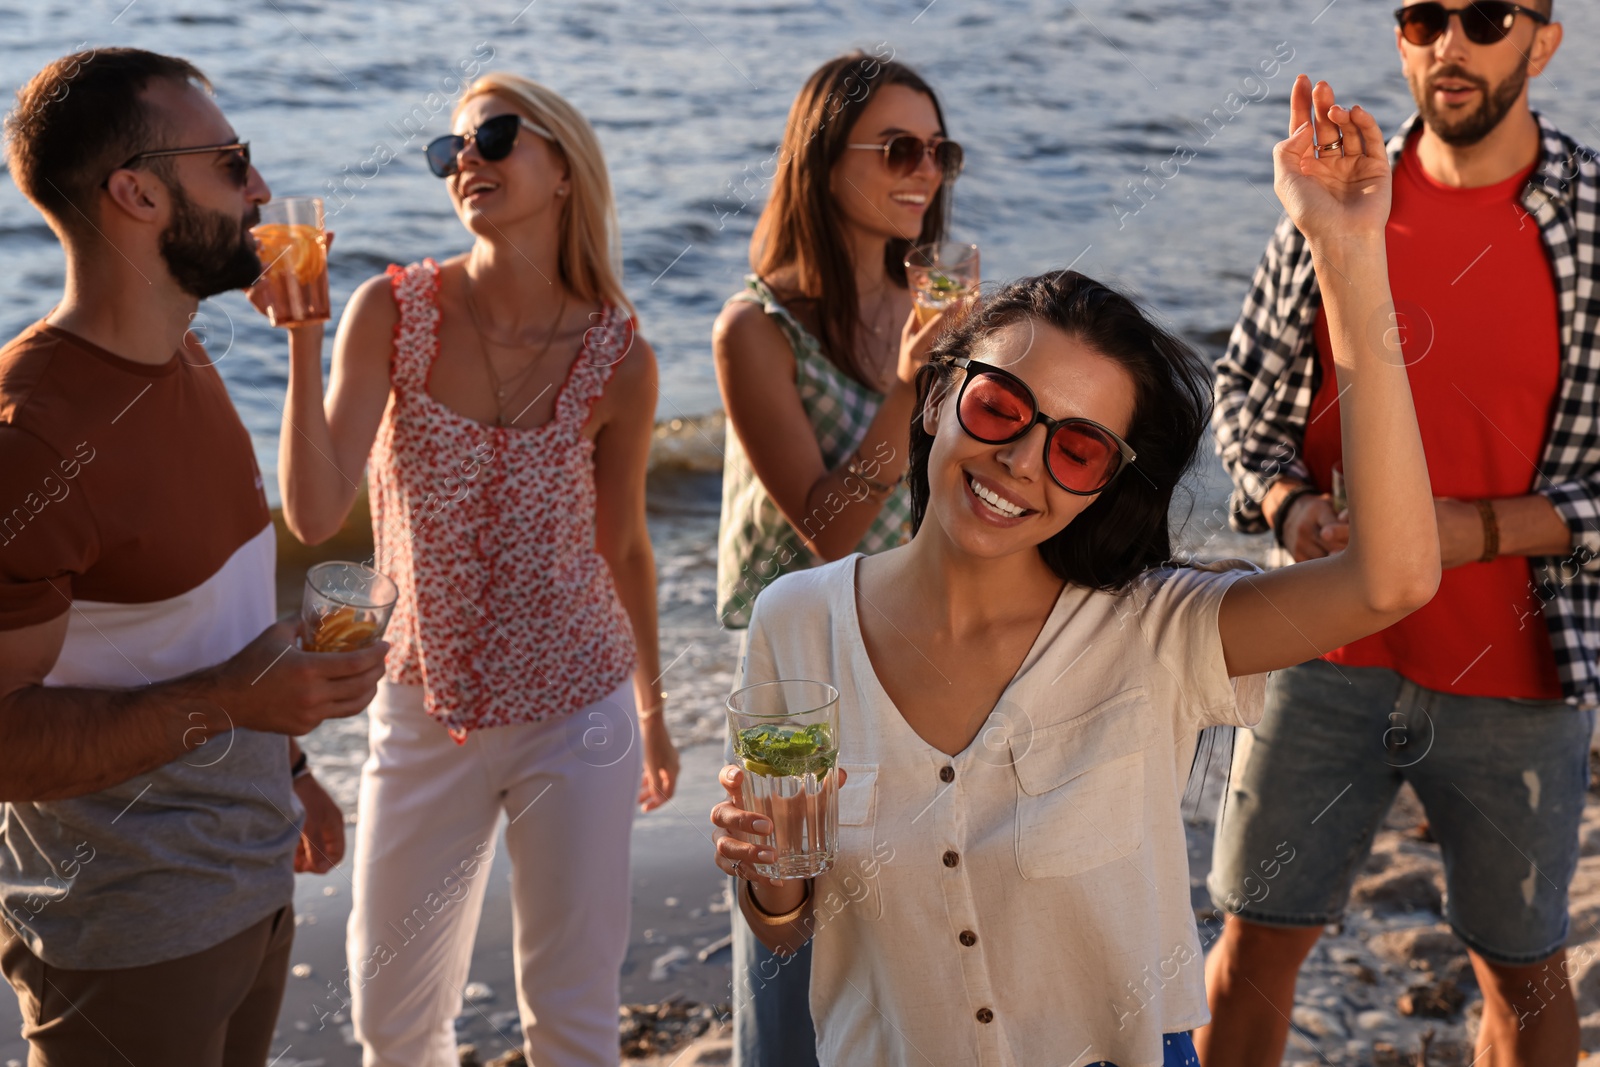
(1337, 142)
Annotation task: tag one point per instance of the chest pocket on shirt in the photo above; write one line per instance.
(855, 880)
(1080, 798)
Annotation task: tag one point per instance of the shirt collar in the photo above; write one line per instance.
(1554, 174)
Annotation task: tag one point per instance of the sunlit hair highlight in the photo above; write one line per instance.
(590, 253)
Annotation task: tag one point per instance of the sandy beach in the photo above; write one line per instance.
(1380, 987)
(678, 910)
(1392, 952)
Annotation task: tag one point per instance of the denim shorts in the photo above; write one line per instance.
(1503, 782)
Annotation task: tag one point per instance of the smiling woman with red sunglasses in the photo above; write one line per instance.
(1022, 685)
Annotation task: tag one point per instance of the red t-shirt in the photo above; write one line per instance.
(1476, 306)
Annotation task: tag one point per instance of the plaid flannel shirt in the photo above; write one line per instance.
(1269, 374)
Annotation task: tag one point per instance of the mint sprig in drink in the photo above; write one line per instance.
(785, 736)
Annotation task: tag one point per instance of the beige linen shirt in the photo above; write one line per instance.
(1025, 902)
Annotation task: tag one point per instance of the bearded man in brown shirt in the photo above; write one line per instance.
(151, 806)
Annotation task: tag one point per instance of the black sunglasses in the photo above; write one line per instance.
(996, 407)
(495, 140)
(904, 153)
(238, 161)
(1482, 21)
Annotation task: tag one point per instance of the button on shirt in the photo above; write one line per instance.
(1032, 905)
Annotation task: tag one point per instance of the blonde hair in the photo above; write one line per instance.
(590, 251)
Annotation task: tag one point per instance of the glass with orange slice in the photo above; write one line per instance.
(346, 606)
(294, 260)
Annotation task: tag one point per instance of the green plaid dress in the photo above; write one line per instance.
(756, 543)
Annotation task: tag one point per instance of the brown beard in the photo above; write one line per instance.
(208, 252)
(1494, 104)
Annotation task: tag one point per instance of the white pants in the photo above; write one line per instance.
(429, 815)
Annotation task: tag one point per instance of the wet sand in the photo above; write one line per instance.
(678, 909)
(677, 894)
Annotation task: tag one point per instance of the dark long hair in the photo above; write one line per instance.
(799, 227)
(1125, 531)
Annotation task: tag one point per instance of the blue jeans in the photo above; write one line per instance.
(1503, 782)
(771, 1003)
(1177, 1051)
(771, 995)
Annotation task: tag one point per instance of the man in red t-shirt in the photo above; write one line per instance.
(1464, 698)
(150, 802)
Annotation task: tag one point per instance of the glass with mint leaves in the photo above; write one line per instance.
(786, 737)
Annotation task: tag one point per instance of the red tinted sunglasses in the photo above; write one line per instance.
(996, 407)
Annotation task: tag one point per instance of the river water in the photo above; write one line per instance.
(1062, 105)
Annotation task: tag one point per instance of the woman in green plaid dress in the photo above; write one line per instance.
(816, 359)
(816, 356)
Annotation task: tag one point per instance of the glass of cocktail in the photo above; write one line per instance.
(294, 260)
(786, 737)
(346, 606)
(940, 275)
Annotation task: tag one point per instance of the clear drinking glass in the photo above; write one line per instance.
(294, 260)
(786, 736)
(940, 275)
(346, 606)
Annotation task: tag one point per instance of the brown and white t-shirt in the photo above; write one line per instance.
(130, 497)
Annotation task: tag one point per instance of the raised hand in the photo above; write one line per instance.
(1342, 193)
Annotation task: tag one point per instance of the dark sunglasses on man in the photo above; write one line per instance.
(903, 154)
(237, 162)
(1482, 21)
(495, 140)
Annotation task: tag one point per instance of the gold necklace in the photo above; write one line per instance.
(884, 352)
(873, 327)
(503, 390)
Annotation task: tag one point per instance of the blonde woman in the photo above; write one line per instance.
(506, 401)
